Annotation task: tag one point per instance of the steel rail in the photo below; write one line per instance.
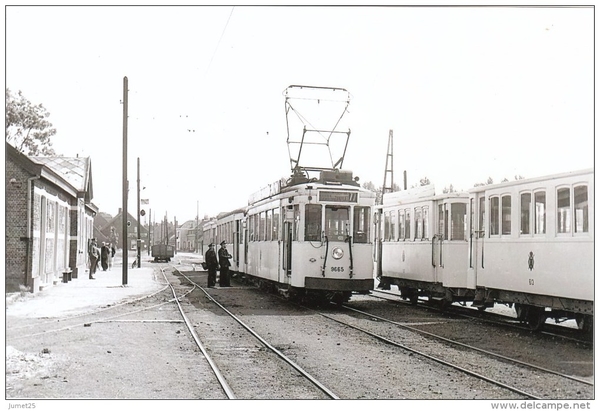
(190, 327)
(486, 352)
(505, 321)
(297, 367)
(438, 360)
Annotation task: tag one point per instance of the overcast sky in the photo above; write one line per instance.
(469, 93)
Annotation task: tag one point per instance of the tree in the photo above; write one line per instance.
(448, 190)
(27, 127)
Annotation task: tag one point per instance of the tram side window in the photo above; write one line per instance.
(392, 225)
(386, 226)
(525, 212)
(506, 215)
(418, 223)
(257, 227)
(481, 212)
(540, 212)
(581, 209)
(269, 230)
(312, 222)
(441, 220)
(407, 224)
(425, 222)
(494, 215)
(295, 235)
(563, 210)
(276, 224)
(458, 216)
(401, 223)
(362, 224)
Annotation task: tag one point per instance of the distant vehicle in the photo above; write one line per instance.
(162, 252)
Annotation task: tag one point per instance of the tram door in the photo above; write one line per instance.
(288, 230)
(437, 242)
(476, 235)
(377, 241)
(236, 243)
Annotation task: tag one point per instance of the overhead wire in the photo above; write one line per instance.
(219, 42)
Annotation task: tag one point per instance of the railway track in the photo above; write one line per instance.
(481, 361)
(222, 376)
(551, 330)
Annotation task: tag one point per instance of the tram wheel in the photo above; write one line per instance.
(521, 312)
(585, 323)
(536, 317)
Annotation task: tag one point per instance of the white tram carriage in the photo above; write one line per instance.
(527, 243)
(532, 245)
(421, 245)
(306, 237)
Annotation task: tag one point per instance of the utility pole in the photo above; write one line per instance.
(125, 182)
(149, 226)
(389, 167)
(175, 228)
(166, 228)
(196, 236)
(139, 224)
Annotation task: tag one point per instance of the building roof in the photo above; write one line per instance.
(77, 171)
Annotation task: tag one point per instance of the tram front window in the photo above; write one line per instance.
(362, 224)
(312, 227)
(337, 223)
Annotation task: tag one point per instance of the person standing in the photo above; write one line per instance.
(104, 256)
(210, 258)
(94, 255)
(111, 256)
(224, 263)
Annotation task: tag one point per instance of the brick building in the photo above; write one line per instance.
(49, 217)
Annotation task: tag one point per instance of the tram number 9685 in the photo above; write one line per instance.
(337, 269)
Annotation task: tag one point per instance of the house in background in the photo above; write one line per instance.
(111, 230)
(189, 235)
(49, 218)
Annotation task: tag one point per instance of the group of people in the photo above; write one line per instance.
(100, 256)
(222, 263)
(103, 256)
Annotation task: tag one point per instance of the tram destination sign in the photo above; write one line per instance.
(338, 196)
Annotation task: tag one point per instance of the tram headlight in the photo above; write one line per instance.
(337, 253)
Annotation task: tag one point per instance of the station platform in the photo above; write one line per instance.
(82, 294)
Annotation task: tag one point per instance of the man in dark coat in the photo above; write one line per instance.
(104, 251)
(210, 258)
(94, 255)
(224, 263)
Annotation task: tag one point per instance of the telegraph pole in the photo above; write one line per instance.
(139, 226)
(389, 166)
(196, 236)
(125, 182)
(149, 226)
(175, 228)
